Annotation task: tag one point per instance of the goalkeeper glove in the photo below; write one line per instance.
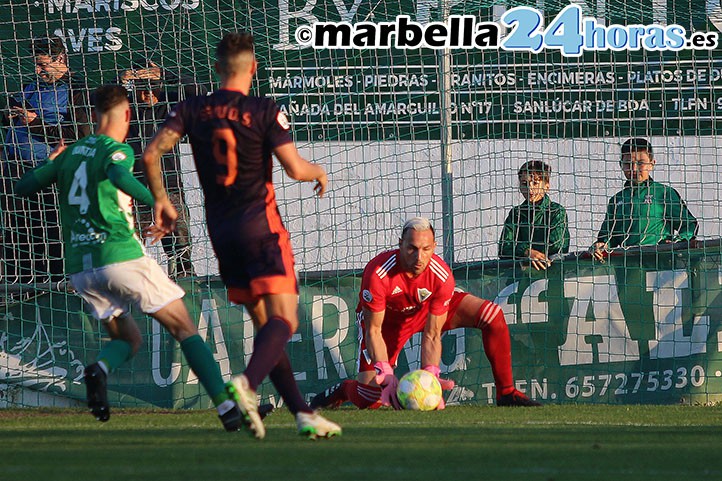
(388, 382)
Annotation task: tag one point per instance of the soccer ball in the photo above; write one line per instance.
(419, 391)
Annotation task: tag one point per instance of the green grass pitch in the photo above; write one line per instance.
(553, 443)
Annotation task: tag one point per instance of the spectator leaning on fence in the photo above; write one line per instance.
(50, 109)
(645, 212)
(537, 228)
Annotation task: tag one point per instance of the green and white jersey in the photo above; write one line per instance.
(646, 213)
(97, 218)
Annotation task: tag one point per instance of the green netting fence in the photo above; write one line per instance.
(403, 133)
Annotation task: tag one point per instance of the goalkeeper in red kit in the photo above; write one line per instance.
(409, 290)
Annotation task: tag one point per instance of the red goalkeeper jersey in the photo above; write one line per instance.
(385, 287)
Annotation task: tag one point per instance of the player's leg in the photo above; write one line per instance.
(269, 291)
(175, 318)
(142, 281)
(472, 312)
(275, 317)
(268, 347)
(308, 422)
(125, 336)
(276, 320)
(125, 341)
(363, 392)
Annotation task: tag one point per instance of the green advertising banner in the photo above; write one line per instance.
(392, 93)
(640, 328)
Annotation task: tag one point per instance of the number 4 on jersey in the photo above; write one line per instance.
(78, 194)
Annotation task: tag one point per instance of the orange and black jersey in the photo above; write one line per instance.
(232, 136)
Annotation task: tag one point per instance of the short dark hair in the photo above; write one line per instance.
(106, 97)
(536, 167)
(50, 46)
(636, 145)
(233, 44)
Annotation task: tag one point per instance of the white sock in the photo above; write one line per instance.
(225, 406)
(102, 366)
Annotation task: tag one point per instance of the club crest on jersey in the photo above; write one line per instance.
(283, 121)
(423, 293)
(397, 290)
(366, 294)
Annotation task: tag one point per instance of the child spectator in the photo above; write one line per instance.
(537, 228)
(645, 212)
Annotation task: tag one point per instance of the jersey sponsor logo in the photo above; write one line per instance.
(118, 156)
(447, 302)
(423, 294)
(366, 294)
(83, 234)
(397, 290)
(405, 310)
(283, 121)
(649, 199)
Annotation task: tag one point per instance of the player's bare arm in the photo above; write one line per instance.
(375, 344)
(383, 374)
(431, 340)
(165, 214)
(162, 142)
(374, 339)
(299, 168)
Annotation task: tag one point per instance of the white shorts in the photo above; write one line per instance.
(111, 289)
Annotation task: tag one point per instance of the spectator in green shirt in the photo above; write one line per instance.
(537, 228)
(645, 212)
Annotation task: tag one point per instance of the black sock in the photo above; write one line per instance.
(282, 378)
(268, 347)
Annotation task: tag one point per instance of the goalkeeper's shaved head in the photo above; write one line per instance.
(235, 55)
